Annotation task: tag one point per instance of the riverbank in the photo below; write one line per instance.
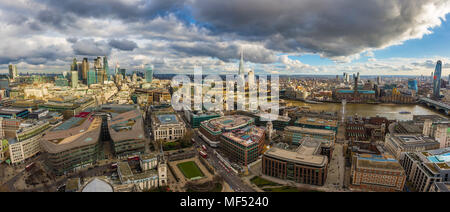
(388, 110)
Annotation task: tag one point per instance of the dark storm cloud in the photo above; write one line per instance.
(225, 52)
(329, 27)
(36, 56)
(90, 47)
(180, 29)
(123, 9)
(124, 45)
(55, 19)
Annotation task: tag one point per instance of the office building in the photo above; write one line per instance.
(122, 72)
(413, 85)
(85, 70)
(73, 145)
(377, 173)
(425, 168)
(440, 187)
(278, 122)
(26, 142)
(437, 80)
(38, 114)
(106, 69)
(13, 72)
(195, 118)
(167, 125)
(302, 164)
(126, 128)
(241, 65)
(61, 82)
(149, 74)
(317, 123)
(293, 135)
(74, 79)
(211, 130)
(69, 107)
(13, 113)
(243, 146)
(91, 78)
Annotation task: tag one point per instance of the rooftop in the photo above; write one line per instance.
(316, 121)
(82, 133)
(11, 110)
(97, 185)
(310, 130)
(246, 136)
(359, 91)
(307, 153)
(406, 140)
(378, 162)
(227, 123)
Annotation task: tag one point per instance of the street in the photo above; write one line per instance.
(229, 177)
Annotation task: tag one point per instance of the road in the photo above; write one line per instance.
(231, 178)
(336, 170)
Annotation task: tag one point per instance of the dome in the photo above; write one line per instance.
(98, 185)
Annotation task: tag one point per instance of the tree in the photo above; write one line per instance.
(186, 139)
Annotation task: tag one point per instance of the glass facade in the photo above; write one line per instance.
(437, 80)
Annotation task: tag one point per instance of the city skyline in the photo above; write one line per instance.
(395, 38)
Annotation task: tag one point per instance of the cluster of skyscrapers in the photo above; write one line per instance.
(100, 71)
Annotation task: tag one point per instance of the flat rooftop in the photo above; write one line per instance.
(359, 91)
(228, 122)
(414, 140)
(307, 154)
(273, 117)
(10, 110)
(310, 130)
(167, 119)
(246, 136)
(378, 162)
(72, 136)
(439, 157)
(316, 121)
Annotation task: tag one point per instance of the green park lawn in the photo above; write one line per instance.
(190, 169)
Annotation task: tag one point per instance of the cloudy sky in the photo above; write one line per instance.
(374, 37)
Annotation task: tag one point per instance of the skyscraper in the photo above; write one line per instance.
(74, 66)
(149, 74)
(99, 71)
(123, 72)
(74, 79)
(106, 67)
(12, 71)
(437, 80)
(92, 77)
(85, 69)
(241, 65)
(413, 85)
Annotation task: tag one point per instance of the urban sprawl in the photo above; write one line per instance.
(102, 128)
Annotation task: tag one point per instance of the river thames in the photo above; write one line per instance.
(390, 111)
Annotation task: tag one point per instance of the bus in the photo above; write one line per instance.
(133, 158)
(114, 165)
(203, 154)
(29, 166)
(204, 147)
